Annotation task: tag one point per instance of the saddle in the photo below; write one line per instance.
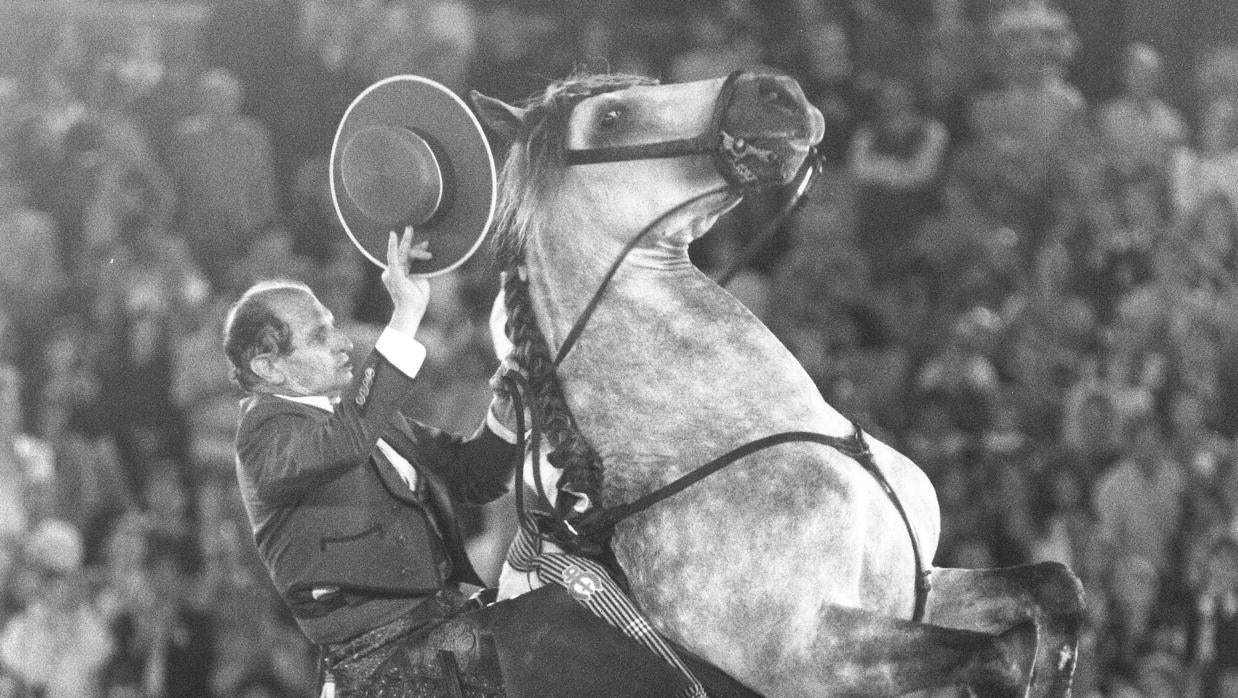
(550, 646)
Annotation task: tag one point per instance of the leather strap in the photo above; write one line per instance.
(707, 142)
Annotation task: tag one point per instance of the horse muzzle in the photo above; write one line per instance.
(767, 129)
(760, 134)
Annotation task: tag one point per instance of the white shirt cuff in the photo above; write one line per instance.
(404, 352)
(500, 430)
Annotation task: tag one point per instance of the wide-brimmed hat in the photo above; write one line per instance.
(409, 152)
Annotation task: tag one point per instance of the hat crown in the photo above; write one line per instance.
(392, 175)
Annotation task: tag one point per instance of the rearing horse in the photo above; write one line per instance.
(791, 569)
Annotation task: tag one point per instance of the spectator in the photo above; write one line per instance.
(58, 643)
(1122, 254)
(27, 463)
(224, 169)
(151, 85)
(1090, 438)
(32, 277)
(1213, 629)
(136, 377)
(170, 502)
(123, 585)
(963, 369)
(950, 65)
(59, 156)
(1062, 520)
(1021, 128)
(130, 182)
(1210, 169)
(1034, 106)
(896, 157)
(13, 516)
(1133, 587)
(1194, 442)
(1139, 499)
(166, 648)
(1138, 128)
(1208, 238)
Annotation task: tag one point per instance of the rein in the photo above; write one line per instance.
(804, 179)
(579, 326)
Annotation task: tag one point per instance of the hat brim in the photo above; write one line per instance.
(456, 227)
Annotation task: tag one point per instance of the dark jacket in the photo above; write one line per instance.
(328, 509)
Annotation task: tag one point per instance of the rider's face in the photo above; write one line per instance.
(319, 362)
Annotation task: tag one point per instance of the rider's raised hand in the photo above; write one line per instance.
(409, 294)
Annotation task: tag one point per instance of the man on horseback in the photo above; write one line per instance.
(351, 500)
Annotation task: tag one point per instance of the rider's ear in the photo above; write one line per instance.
(263, 366)
(502, 118)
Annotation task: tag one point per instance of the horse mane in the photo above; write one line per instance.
(527, 181)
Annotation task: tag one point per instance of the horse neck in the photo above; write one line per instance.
(664, 340)
(567, 267)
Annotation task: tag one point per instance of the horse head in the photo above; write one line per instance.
(631, 154)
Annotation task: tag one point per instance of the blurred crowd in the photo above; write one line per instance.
(1028, 292)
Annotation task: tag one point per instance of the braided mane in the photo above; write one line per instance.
(527, 183)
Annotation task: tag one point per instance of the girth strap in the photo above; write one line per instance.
(598, 524)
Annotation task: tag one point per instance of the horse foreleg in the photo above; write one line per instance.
(994, 600)
(862, 653)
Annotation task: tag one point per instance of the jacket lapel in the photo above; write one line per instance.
(393, 482)
(434, 498)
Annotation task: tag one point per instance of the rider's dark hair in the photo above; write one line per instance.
(253, 327)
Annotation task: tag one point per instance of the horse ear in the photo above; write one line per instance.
(502, 118)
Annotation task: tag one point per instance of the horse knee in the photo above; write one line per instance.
(1059, 592)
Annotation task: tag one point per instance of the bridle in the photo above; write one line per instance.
(742, 161)
(745, 164)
